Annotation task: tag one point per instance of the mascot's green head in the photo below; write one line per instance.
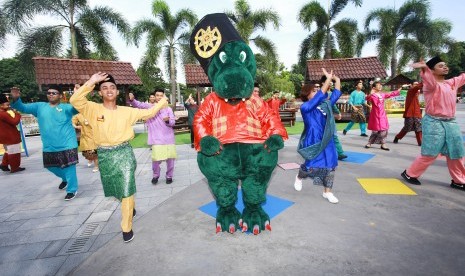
(224, 56)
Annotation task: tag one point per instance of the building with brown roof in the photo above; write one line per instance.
(348, 69)
(195, 76)
(67, 72)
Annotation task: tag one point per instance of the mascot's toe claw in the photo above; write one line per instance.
(244, 227)
(256, 230)
(218, 228)
(232, 228)
(267, 225)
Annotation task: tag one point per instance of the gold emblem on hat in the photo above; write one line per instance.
(207, 42)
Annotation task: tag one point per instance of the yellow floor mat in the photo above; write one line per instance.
(385, 186)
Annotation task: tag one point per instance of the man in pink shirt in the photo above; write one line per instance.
(441, 133)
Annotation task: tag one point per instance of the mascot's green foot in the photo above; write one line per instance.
(227, 219)
(257, 217)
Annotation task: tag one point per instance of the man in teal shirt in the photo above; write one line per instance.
(59, 143)
(357, 101)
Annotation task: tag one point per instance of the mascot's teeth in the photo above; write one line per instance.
(226, 100)
(243, 99)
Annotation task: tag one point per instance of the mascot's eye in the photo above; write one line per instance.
(242, 56)
(223, 57)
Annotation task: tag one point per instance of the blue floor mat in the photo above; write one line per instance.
(273, 205)
(357, 157)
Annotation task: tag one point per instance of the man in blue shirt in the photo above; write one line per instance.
(60, 154)
(357, 101)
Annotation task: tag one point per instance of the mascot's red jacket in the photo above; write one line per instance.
(219, 119)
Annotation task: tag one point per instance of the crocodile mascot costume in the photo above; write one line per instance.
(237, 137)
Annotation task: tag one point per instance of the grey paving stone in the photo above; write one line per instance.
(76, 201)
(37, 235)
(5, 216)
(98, 217)
(53, 222)
(108, 204)
(42, 213)
(9, 226)
(52, 249)
(22, 252)
(15, 207)
(78, 209)
(102, 240)
(71, 262)
(47, 266)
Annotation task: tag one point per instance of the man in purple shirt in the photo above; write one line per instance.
(161, 135)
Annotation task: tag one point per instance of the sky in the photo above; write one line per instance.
(287, 38)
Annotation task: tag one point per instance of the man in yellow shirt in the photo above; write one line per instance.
(112, 129)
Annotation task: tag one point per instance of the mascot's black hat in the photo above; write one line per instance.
(435, 60)
(110, 79)
(209, 35)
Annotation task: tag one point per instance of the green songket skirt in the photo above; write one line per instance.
(117, 165)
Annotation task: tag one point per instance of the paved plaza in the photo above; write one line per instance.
(365, 234)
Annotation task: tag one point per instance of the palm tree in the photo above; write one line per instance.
(345, 31)
(86, 27)
(408, 32)
(247, 22)
(3, 28)
(170, 36)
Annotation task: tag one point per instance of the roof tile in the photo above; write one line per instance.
(71, 71)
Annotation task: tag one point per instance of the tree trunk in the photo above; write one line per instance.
(328, 44)
(74, 51)
(394, 60)
(173, 77)
(72, 31)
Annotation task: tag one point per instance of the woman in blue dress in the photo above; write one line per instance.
(320, 164)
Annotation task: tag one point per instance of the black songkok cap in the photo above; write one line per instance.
(3, 99)
(432, 62)
(54, 87)
(209, 35)
(109, 79)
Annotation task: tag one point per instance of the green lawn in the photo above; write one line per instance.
(140, 140)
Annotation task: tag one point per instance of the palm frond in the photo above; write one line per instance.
(110, 17)
(96, 33)
(338, 5)
(313, 12)
(261, 18)
(346, 34)
(20, 12)
(141, 27)
(266, 47)
(42, 41)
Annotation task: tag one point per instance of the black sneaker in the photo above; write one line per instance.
(409, 179)
(63, 185)
(169, 180)
(4, 168)
(154, 181)
(128, 236)
(18, 170)
(457, 185)
(396, 140)
(342, 157)
(363, 135)
(70, 196)
(134, 213)
(344, 132)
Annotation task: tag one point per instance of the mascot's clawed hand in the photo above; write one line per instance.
(210, 145)
(237, 136)
(274, 143)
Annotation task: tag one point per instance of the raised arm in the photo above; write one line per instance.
(21, 107)
(78, 99)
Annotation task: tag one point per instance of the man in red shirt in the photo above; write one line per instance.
(10, 137)
(275, 102)
(412, 114)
